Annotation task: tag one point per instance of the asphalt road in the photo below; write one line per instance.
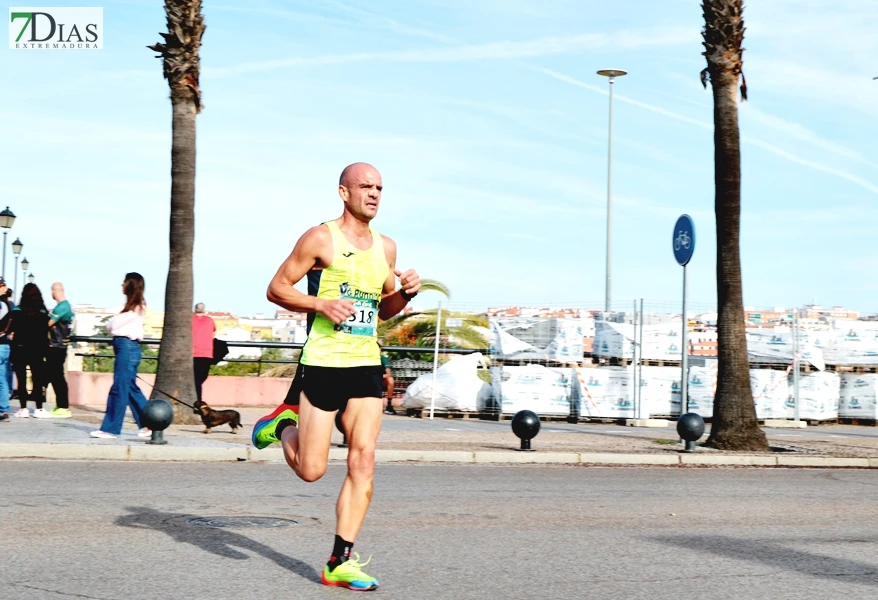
(119, 531)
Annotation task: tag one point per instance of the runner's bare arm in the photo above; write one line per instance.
(308, 253)
(392, 301)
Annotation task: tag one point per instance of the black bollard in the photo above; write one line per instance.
(690, 427)
(157, 415)
(526, 426)
(338, 425)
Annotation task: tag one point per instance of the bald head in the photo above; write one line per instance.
(360, 189)
(354, 172)
(58, 291)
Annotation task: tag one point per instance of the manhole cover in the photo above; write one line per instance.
(261, 522)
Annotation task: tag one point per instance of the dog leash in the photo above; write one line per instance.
(164, 393)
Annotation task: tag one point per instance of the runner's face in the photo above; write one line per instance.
(363, 193)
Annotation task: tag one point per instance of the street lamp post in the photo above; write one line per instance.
(16, 250)
(7, 218)
(611, 74)
(30, 278)
(24, 265)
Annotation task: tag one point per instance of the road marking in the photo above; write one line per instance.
(451, 429)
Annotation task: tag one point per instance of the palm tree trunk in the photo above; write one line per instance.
(180, 54)
(175, 376)
(734, 415)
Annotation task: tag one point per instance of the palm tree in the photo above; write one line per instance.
(419, 329)
(181, 65)
(734, 415)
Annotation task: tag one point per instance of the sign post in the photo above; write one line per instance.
(684, 247)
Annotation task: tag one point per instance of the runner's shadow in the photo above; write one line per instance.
(211, 539)
(779, 557)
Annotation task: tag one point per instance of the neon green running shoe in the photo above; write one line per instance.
(264, 430)
(350, 575)
(61, 413)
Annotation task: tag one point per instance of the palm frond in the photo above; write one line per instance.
(181, 63)
(432, 285)
(723, 35)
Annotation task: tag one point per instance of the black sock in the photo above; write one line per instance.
(341, 552)
(283, 425)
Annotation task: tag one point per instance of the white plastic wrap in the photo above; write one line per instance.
(458, 386)
(702, 389)
(858, 396)
(555, 339)
(770, 393)
(776, 346)
(852, 343)
(544, 390)
(818, 396)
(606, 392)
(659, 391)
(660, 341)
(613, 339)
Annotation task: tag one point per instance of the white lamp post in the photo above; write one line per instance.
(611, 74)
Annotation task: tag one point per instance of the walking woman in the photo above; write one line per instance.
(127, 330)
(29, 330)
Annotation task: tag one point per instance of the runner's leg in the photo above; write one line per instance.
(306, 446)
(362, 423)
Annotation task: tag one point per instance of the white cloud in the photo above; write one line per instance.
(800, 131)
(506, 50)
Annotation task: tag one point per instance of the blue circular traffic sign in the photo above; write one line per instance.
(684, 239)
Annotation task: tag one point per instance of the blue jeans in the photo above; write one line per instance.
(5, 378)
(124, 391)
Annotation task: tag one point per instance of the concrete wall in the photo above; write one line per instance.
(91, 389)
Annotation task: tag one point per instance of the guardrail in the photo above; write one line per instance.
(95, 339)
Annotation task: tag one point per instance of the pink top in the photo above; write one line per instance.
(127, 324)
(202, 336)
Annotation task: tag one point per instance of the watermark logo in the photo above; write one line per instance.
(56, 28)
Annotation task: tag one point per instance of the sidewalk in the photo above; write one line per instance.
(442, 440)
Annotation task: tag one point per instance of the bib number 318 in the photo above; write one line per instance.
(365, 321)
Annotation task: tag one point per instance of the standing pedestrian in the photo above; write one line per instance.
(10, 374)
(5, 362)
(351, 271)
(127, 330)
(29, 328)
(60, 322)
(203, 329)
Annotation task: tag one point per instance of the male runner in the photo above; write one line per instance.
(351, 273)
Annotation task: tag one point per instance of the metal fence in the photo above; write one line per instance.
(581, 361)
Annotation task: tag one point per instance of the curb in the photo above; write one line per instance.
(141, 452)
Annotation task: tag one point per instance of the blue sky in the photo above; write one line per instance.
(489, 126)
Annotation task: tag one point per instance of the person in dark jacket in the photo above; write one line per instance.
(5, 362)
(60, 323)
(29, 329)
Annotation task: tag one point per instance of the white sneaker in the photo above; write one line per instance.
(144, 432)
(103, 435)
(22, 413)
(42, 413)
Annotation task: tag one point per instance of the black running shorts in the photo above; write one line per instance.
(330, 388)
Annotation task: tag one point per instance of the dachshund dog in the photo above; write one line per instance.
(214, 418)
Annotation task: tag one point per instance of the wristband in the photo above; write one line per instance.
(406, 296)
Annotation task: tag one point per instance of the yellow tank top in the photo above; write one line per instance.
(355, 275)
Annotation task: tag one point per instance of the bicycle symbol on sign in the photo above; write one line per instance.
(682, 240)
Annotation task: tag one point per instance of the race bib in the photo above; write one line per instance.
(365, 321)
